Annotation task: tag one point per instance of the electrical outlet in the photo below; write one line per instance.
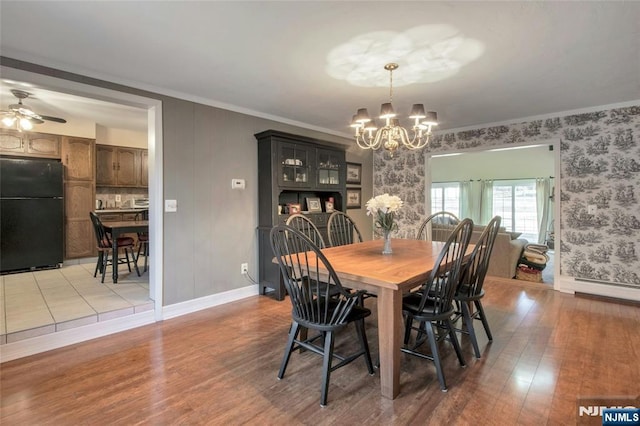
(244, 268)
(118, 198)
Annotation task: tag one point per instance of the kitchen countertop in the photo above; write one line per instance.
(127, 210)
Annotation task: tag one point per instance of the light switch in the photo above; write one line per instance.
(237, 183)
(170, 206)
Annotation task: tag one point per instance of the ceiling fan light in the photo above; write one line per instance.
(386, 110)
(25, 124)
(8, 121)
(417, 111)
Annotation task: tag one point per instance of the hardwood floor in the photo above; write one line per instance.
(219, 366)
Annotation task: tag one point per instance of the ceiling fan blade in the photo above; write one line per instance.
(34, 120)
(56, 119)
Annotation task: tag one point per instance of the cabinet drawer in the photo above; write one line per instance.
(129, 216)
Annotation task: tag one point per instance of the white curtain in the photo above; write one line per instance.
(486, 202)
(470, 196)
(543, 193)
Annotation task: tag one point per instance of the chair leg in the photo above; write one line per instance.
(326, 367)
(146, 255)
(105, 261)
(454, 342)
(362, 336)
(143, 248)
(436, 356)
(135, 262)
(472, 333)
(98, 264)
(126, 255)
(293, 332)
(408, 322)
(483, 318)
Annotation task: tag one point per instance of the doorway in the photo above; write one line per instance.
(153, 108)
(510, 165)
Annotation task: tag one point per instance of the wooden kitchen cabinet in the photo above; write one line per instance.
(77, 157)
(144, 168)
(121, 166)
(29, 144)
(79, 196)
(80, 240)
(128, 168)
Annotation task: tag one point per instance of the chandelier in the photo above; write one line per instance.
(389, 137)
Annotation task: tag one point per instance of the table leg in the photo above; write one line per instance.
(390, 339)
(114, 256)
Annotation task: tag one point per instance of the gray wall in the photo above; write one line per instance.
(214, 229)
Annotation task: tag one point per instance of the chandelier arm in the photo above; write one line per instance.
(419, 140)
(367, 143)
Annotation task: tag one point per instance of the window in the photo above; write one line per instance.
(445, 197)
(515, 202)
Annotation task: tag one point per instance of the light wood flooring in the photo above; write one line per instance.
(219, 366)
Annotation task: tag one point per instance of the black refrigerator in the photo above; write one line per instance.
(31, 214)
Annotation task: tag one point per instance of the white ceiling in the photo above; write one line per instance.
(307, 62)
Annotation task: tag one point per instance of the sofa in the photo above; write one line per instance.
(507, 251)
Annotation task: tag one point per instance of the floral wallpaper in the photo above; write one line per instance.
(600, 166)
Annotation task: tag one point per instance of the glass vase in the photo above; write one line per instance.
(386, 249)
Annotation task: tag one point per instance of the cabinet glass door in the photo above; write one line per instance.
(329, 168)
(294, 163)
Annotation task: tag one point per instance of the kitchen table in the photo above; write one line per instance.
(116, 229)
(363, 266)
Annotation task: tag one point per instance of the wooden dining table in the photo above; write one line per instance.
(363, 266)
(116, 229)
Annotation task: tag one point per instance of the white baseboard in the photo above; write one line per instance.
(195, 305)
(570, 285)
(47, 342)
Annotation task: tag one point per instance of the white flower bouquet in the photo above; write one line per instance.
(383, 208)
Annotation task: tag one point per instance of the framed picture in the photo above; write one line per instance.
(328, 206)
(354, 173)
(353, 198)
(313, 205)
(294, 208)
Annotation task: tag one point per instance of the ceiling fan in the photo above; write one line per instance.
(22, 116)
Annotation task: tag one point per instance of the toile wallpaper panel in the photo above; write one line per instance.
(600, 166)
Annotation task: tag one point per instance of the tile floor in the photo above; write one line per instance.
(41, 302)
